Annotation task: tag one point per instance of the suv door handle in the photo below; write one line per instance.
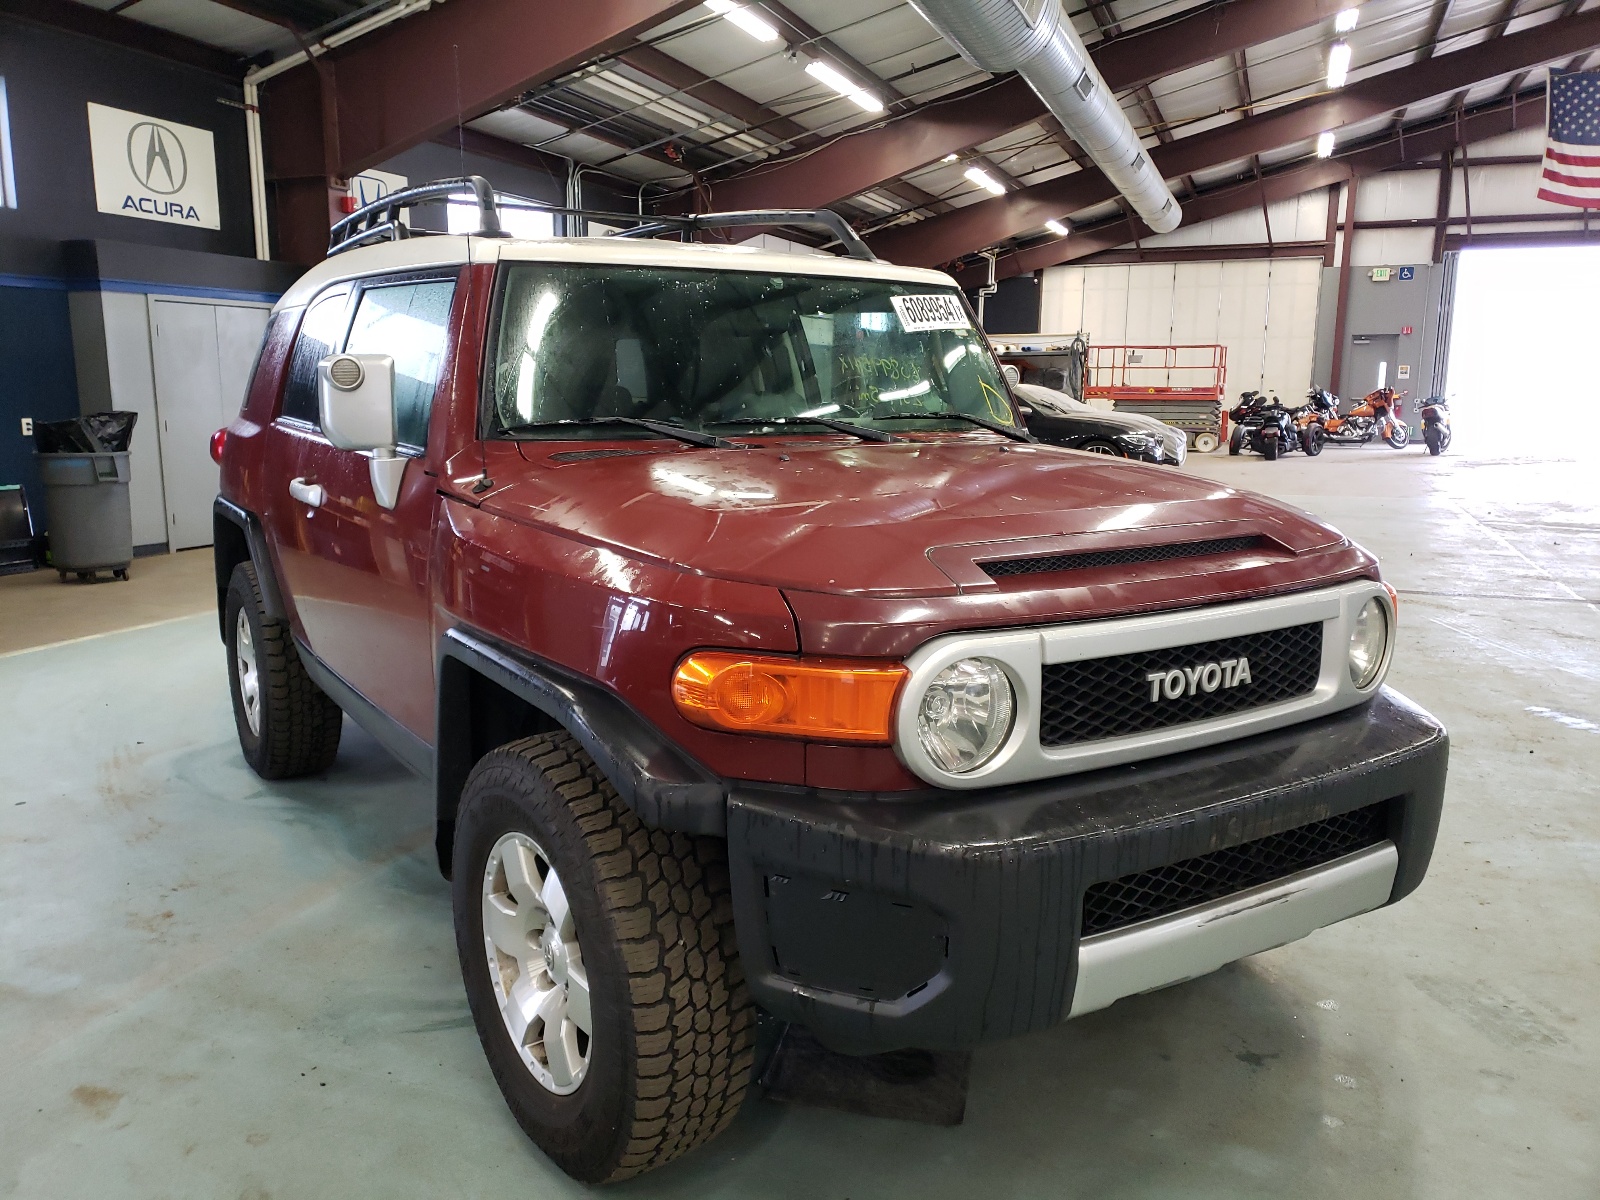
(307, 493)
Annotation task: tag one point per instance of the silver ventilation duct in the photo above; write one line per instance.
(1035, 39)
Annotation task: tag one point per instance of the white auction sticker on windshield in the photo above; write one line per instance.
(918, 313)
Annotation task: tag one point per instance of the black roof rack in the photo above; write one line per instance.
(380, 220)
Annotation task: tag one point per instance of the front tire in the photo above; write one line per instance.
(555, 877)
(1399, 436)
(287, 725)
(1236, 441)
(1098, 446)
(1205, 443)
(1311, 439)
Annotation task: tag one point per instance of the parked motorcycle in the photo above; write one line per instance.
(1264, 425)
(1436, 424)
(1309, 419)
(1378, 415)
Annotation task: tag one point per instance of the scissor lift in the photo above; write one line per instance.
(1184, 386)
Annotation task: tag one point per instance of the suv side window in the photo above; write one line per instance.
(320, 335)
(410, 322)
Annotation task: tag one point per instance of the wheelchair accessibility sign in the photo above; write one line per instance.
(1408, 272)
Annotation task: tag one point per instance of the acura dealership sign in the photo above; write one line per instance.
(153, 169)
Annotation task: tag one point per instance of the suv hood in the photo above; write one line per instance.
(896, 519)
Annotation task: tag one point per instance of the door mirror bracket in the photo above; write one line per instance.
(355, 399)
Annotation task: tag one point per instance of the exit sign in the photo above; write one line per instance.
(1405, 330)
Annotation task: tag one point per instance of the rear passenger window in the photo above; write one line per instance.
(410, 323)
(320, 335)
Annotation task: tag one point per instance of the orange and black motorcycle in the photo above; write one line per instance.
(1378, 415)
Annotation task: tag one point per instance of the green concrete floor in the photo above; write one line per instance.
(214, 987)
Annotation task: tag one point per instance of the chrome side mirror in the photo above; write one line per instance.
(355, 400)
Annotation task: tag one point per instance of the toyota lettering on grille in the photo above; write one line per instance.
(1205, 677)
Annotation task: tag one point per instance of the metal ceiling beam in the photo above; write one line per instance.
(757, 117)
(412, 80)
(129, 34)
(1420, 143)
(953, 124)
(360, 104)
(695, 87)
(824, 47)
(977, 226)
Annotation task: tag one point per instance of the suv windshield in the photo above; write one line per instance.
(732, 350)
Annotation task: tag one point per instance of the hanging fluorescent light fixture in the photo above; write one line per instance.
(985, 180)
(1346, 20)
(1057, 228)
(845, 86)
(737, 14)
(1325, 143)
(1338, 63)
(950, 158)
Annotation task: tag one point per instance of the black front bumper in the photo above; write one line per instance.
(945, 920)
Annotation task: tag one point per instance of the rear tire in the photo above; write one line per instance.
(648, 919)
(1435, 439)
(1269, 446)
(287, 725)
(1311, 439)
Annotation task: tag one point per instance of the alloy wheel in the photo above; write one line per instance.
(244, 653)
(535, 963)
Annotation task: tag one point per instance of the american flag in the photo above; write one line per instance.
(1572, 143)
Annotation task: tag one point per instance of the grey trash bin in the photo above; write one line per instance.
(90, 520)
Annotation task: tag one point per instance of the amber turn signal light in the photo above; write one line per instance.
(1394, 602)
(825, 699)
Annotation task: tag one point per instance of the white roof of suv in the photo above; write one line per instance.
(419, 252)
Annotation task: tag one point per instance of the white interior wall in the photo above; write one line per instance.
(111, 338)
(1502, 190)
(1263, 310)
(1301, 219)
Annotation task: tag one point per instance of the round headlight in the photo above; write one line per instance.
(1369, 638)
(965, 714)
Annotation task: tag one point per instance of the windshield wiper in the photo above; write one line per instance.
(1010, 431)
(665, 428)
(865, 432)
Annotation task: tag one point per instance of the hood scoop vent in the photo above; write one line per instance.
(1053, 563)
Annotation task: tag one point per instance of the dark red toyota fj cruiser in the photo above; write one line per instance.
(760, 658)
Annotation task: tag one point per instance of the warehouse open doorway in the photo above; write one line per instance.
(1524, 374)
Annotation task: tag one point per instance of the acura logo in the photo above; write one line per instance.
(156, 158)
(1206, 677)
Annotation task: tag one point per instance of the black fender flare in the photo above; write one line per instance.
(664, 786)
(228, 522)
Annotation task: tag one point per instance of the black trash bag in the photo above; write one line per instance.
(97, 433)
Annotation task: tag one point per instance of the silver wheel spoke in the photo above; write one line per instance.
(521, 1008)
(522, 877)
(506, 928)
(578, 996)
(554, 899)
(562, 1053)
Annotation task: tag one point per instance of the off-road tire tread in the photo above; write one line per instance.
(300, 724)
(667, 899)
